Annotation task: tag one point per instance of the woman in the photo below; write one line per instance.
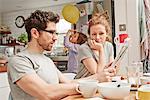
(97, 52)
(72, 41)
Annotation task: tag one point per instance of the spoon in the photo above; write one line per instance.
(118, 85)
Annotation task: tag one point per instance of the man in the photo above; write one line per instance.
(32, 75)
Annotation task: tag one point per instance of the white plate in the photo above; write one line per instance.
(146, 74)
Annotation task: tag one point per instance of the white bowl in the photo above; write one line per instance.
(114, 90)
(116, 78)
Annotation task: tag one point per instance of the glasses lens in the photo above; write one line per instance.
(51, 32)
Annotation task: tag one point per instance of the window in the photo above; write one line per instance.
(62, 27)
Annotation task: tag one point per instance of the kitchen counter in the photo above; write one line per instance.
(3, 69)
(60, 62)
(59, 58)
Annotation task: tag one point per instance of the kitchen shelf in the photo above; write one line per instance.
(4, 32)
(12, 44)
(3, 69)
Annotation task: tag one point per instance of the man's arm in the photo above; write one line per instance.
(36, 87)
(103, 75)
(62, 78)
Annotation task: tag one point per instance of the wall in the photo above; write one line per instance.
(126, 13)
(0, 18)
(133, 29)
(120, 18)
(0, 11)
(107, 6)
(9, 18)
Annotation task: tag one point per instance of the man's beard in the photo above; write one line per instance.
(45, 48)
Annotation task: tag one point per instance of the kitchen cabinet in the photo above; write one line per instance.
(4, 37)
(61, 65)
(4, 86)
(9, 43)
(60, 62)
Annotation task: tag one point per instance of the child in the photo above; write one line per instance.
(72, 41)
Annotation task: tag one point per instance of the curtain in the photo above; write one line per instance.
(144, 28)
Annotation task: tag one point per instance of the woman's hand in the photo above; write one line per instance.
(108, 65)
(95, 45)
(106, 74)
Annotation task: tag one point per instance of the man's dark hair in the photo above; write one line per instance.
(39, 20)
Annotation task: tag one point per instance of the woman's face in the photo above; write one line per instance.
(74, 37)
(98, 33)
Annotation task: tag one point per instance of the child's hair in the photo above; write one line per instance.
(82, 38)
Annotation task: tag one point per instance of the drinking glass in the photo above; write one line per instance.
(134, 72)
(140, 68)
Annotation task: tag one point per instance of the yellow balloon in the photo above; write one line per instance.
(71, 13)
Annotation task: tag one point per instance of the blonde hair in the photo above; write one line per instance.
(102, 19)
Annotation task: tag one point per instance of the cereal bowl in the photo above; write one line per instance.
(114, 90)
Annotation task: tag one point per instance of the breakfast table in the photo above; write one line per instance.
(132, 96)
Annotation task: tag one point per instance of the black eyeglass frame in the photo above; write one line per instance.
(50, 32)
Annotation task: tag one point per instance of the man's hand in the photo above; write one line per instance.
(106, 74)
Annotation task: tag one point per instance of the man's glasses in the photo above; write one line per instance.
(51, 32)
